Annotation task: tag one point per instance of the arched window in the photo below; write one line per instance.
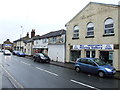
(109, 26)
(90, 29)
(76, 31)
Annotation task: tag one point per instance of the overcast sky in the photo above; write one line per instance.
(42, 15)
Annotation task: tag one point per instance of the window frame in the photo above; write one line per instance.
(109, 30)
(89, 26)
(76, 31)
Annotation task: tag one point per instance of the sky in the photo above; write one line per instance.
(42, 15)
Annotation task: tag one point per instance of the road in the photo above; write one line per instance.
(25, 73)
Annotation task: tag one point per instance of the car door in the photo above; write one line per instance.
(83, 65)
(92, 67)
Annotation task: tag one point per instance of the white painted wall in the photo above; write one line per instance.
(56, 52)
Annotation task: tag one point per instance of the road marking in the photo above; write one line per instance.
(47, 71)
(86, 85)
(20, 86)
(25, 63)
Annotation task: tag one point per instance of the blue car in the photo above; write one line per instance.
(19, 53)
(95, 66)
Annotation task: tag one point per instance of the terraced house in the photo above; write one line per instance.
(95, 32)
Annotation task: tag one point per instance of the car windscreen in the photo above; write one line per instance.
(99, 62)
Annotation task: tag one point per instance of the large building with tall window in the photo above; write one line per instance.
(94, 32)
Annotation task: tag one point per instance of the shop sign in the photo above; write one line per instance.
(100, 47)
(40, 46)
(7, 45)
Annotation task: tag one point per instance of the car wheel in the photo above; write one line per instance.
(77, 69)
(34, 60)
(101, 74)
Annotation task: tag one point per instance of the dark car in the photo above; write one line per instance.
(19, 53)
(40, 57)
(95, 66)
(15, 52)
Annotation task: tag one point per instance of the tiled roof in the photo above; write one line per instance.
(54, 34)
(22, 39)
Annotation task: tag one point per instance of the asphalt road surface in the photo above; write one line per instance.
(25, 73)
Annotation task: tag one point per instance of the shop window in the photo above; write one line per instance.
(108, 26)
(107, 56)
(90, 29)
(76, 32)
(75, 55)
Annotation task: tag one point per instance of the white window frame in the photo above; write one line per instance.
(109, 26)
(76, 31)
(90, 29)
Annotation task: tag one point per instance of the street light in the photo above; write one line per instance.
(21, 36)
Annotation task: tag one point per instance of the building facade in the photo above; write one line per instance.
(94, 32)
(56, 46)
(7, 45)
(51, 44)
(19, 44)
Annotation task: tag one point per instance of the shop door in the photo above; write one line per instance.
(90, 54)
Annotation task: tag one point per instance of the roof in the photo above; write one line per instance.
(22, 39)
(113, 5)
(52, 34)
(31, 39)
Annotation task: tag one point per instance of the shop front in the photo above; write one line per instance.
(40, 49)
(104, 52)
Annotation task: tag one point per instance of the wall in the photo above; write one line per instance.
(97, 14)
(56, 52)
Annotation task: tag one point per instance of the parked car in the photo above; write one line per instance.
(15, 52)
(19, 53)
(40, 57)
(95, 66)
(7, 52)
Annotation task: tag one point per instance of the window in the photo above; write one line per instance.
(76, 31)
(84, 61)
(109, 26)
(53, 40)
(90, 62)
(90, 29)
(74, 55)
(44, 40)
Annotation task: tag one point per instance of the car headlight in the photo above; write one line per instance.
(107, 69)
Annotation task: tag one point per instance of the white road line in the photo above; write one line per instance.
(25, 63)
(86, 85)
(47, 71)
(20, 86)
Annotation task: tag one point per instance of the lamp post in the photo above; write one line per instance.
(21, 36)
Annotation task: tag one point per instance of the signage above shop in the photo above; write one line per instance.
(7, 45)
(40, 46)
(100, 47)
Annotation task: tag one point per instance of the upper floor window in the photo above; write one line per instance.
(36, 42)
(44, 40)
(53, 40)
(76, 31)
(109, 26)
(90, 29)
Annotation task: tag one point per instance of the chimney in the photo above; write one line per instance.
(27, 34)
(32, 33)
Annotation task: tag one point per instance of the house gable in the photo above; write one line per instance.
(92, 9)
